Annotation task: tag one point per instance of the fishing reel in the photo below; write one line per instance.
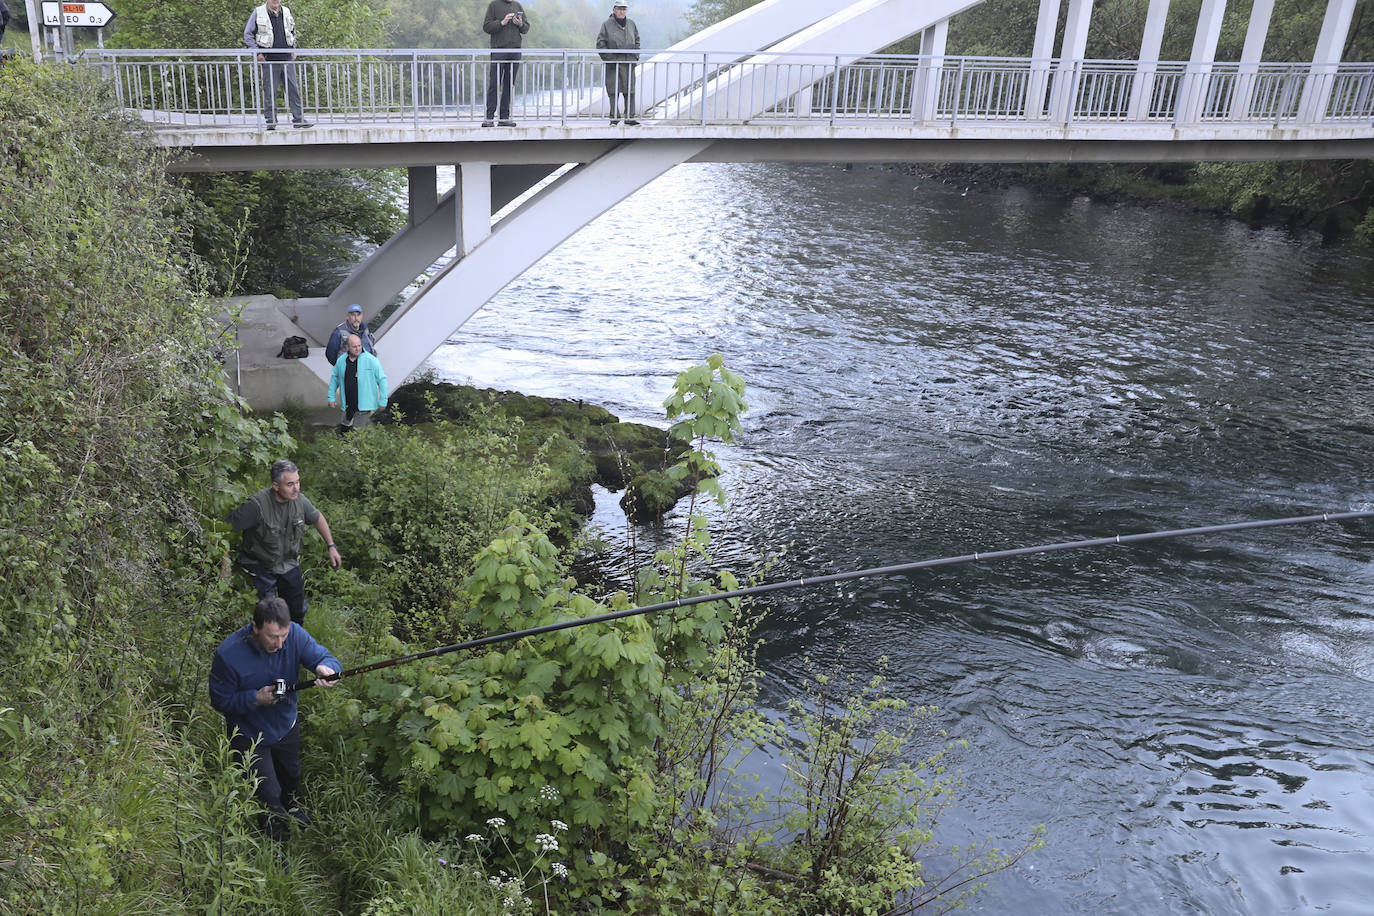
(279, 690)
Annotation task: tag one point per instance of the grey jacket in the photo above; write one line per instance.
(505, 36)
(616, 37)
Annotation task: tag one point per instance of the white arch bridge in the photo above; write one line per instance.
(809, 86)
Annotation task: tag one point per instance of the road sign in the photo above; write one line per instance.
(69, 12)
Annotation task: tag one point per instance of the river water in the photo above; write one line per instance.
(934, 371)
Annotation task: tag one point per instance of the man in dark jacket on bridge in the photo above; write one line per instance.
(619, 41)
(507, 24)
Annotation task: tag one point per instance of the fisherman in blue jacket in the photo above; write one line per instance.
(263, 728)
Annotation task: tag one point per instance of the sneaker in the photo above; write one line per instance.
(271, 125)
(488, 123)
(302, 124)
(301, 815)
(615, 121)
(631, 122)
(506, 122)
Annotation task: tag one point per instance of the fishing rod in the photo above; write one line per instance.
(895, 570)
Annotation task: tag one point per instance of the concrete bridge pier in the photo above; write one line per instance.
(436, 225)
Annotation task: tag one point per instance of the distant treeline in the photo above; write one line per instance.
(379, 23)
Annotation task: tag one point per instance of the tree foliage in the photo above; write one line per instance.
(1330, 196)
(219, 24)
(439, 24)
(118, 442)
(705, 13)
(290, 233)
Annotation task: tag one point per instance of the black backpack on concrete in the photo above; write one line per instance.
(294, 348)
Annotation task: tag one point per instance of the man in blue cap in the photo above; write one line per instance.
(352, 324)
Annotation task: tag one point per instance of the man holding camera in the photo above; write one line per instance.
(248, 677)
(507, 24)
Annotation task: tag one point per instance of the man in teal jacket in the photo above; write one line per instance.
(358, 384)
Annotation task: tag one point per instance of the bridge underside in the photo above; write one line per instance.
(973, 144)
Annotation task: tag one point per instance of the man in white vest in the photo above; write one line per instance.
(271, 26)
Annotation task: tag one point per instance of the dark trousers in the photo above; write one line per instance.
(620, 84)
(278, 768)
(274, 73)
(288, 586)
(501, 74)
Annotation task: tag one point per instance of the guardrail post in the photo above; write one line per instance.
(958, 95)
(415, 88)
(834, 92)
(705, 67)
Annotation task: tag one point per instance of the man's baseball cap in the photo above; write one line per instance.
(620, 5)
(355, 308)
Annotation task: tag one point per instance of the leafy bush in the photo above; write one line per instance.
(410, 507)
(484, 735)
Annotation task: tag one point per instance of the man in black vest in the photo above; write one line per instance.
(273, 523)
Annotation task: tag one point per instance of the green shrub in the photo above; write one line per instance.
(411, 506)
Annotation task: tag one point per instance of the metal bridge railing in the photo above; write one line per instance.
(209, 87)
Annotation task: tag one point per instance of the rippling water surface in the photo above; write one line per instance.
(933, 372)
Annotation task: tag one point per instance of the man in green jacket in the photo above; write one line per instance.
(273, 522)
(507, 24)
(619, 41)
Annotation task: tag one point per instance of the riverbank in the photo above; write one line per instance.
(583, 444)
(1331, 199)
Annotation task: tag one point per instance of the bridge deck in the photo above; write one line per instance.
(412, 108)
(229, 146)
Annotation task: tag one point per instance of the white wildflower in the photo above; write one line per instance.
(558, 825)
(548, 793)
(560, 870)
(496, 822)
(547, 842)
(474, 837)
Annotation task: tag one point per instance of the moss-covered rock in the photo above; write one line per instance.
(583, 443)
